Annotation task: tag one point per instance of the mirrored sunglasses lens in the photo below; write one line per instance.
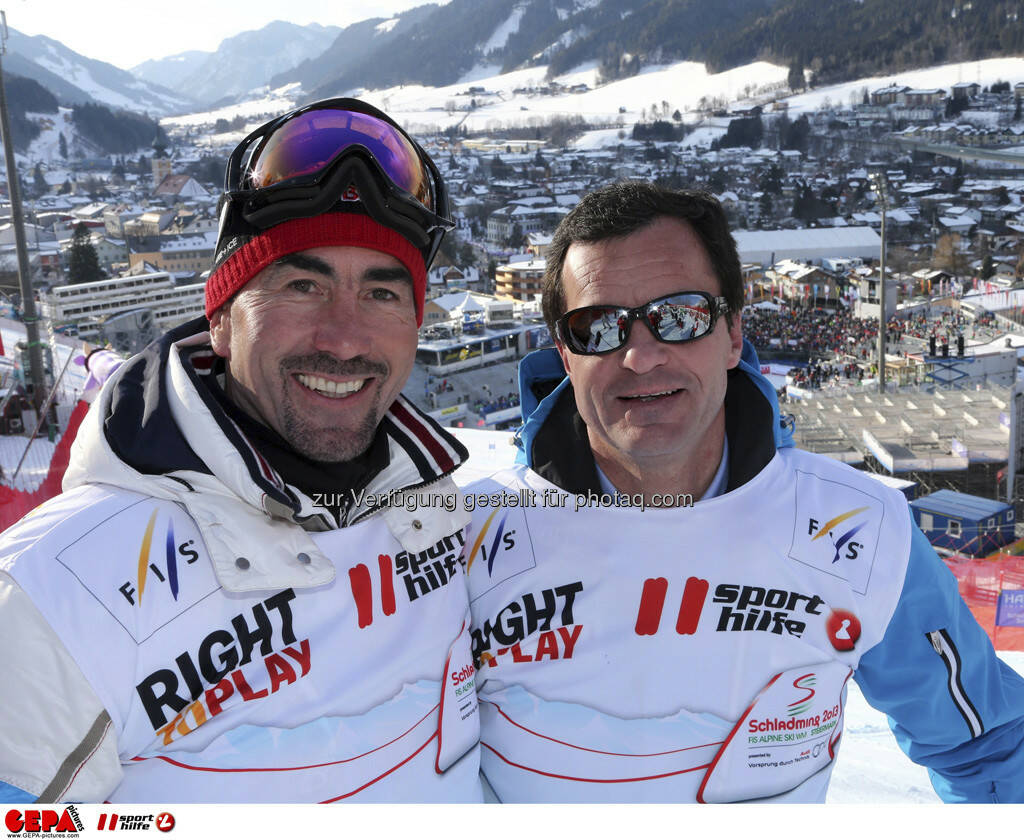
(596, 329)
(680, 318)
(309, 142)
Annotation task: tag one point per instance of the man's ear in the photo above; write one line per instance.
(565, 354)
(735, 341)
(220, 331)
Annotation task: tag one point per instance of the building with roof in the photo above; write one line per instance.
(520, 280)
(962, 523)
(187, 253)
(180, 186)
(807, 244)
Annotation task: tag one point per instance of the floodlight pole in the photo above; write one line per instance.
(36, 376)
(879, 183)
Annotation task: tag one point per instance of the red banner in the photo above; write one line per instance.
(14, 504)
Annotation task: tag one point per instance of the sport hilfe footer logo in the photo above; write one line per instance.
(744, 608)
(164, 821)
(853, 548)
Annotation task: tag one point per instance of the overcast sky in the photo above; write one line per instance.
(127, 32)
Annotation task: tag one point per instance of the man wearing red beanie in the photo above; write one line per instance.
(252, 588)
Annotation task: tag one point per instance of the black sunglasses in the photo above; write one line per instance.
(674, 319)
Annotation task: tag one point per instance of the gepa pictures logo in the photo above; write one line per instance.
(43, 821)
(173, 556)
(840, 537)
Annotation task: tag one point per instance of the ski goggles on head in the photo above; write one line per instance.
(336, 155)
(673, 319)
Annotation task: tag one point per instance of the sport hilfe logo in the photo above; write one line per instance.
(744, 608)
(652, 604)
(422, 573)
(163, 821)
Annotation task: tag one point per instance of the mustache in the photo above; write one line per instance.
(328, 364)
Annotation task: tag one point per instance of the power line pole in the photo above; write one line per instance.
(36, 375)
(878, 181)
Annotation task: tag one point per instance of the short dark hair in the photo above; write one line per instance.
(625, 207)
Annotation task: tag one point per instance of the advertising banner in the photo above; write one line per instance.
(1010, 608)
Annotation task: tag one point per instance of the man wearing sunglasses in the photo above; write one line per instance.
(668, 598)
(251, 588)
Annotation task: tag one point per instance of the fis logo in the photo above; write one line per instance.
(802, 704)
(504, 540)
(169, 575)
(147, 564)
(844, 539)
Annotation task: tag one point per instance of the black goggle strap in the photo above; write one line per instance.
(239, 162)
(247, 213)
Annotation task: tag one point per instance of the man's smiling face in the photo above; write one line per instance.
(318, 345)
(649, 402)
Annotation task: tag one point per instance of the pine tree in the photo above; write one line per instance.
(39, 185)
(988, 267)
(83, 264)
(62, 146)
(795, 77)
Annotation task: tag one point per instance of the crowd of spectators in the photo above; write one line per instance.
(819, 373)
(815, 332)
(838, 346)
(499, 403)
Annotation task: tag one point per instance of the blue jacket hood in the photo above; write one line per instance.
(546, 365)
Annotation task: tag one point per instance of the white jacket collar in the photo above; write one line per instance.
(254, 538)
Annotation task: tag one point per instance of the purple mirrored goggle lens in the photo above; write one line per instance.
(591, 330)
(309, 142)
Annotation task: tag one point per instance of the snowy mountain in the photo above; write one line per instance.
(526, 98)
(172, 71)
(241, 63)
(74, 79)
(837, 40)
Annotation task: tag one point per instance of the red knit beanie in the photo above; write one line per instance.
(242, 258)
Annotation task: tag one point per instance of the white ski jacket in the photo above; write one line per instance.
(181, 625)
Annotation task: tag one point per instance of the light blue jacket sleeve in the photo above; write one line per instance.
(952, 704)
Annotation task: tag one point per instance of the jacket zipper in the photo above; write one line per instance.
(943, 645)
